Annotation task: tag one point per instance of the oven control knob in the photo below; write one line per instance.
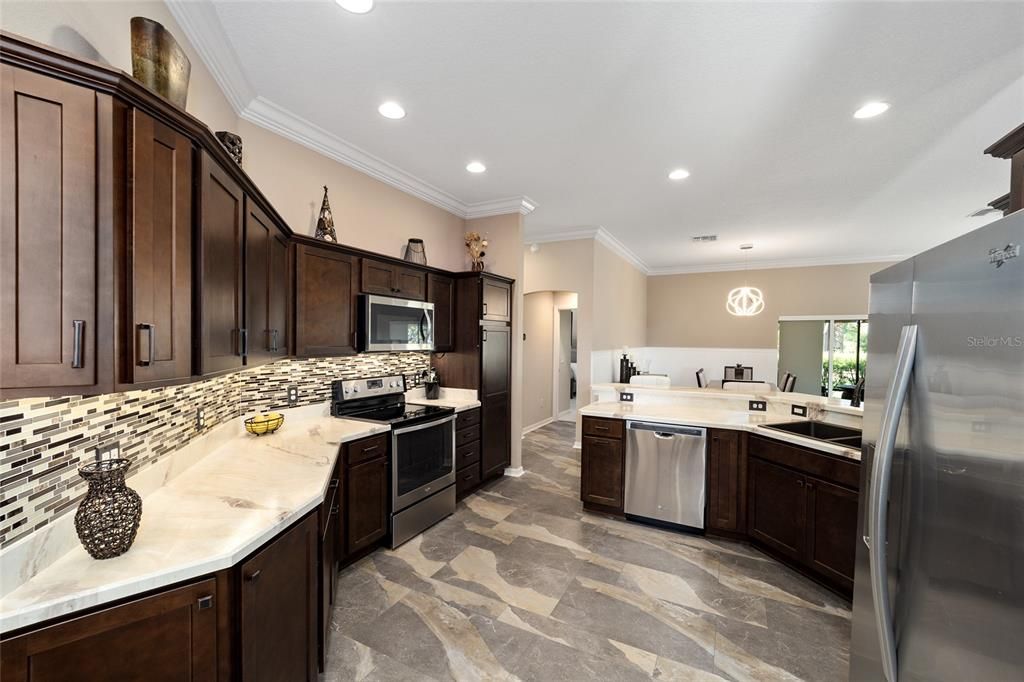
(394, 384)
(355, 389)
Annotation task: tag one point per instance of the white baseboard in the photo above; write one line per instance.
(514, 472)
(540, 424)
(577, 445)
(567, 416)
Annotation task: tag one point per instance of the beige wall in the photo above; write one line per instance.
(538, 371)
(620, 301)
(689, 310)
(368, 214)
(504, 234)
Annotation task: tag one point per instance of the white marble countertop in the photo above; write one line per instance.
(207, 518)
(830, 404)
(461, 399)
(715, 418)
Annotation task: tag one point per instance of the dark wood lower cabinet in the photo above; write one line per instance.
(831, 525)
(166, 637)
(278, 607)
(367, 494)
(777, 507)
(603, 465)
(727, 481)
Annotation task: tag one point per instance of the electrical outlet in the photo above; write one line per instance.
(200, 419)
(293, 395)
(758, 406)
(981, 427)
(108, 451)
(798, 410)
(626, 397)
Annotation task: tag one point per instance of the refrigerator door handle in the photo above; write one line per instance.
(878, 497)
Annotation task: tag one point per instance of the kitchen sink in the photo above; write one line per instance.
(830, 433)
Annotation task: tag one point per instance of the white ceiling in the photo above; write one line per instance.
(585, 107)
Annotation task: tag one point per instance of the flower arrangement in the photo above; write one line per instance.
(476, 244)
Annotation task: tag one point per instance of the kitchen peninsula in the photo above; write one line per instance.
(793, 496)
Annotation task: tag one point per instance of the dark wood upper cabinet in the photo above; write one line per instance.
(389, 279)
(777, 507)
(496, 303)
(278, 609)
(166, 637)
(157, 332)
(48, 232)
(602, 471)
(220, 265)
(441, 292)
(726, 481)
(267, 288)
(325, 298)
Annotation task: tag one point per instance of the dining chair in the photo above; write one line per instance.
(738, 372)
(702, 380)
(788, 383)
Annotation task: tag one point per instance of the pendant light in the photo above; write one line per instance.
(745, 301)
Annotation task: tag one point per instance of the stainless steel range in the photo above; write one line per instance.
(422, 450)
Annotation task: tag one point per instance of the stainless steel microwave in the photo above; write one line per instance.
(389, 324)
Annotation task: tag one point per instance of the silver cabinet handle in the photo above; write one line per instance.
(77, 344)
(273, 341)
(485, 308)
(151, 329)
(243, 342)
(878, 496)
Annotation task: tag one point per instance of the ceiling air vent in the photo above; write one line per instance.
(705, 238)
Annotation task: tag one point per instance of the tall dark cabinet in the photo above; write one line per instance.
(481, 359)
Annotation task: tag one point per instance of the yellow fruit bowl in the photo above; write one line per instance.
(264, 423)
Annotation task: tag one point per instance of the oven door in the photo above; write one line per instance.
(390, 324)
(422, 461)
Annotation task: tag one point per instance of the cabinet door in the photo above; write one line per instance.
(158, 332)
(278, 611)
(441, 292)
(495, 429)
(776, 510)
(497, 300)
(726, 482)
(411, 283)
(831, 531)
(366, 496)
(48, 232)
(221, 207)
(602, 472)
(325, 286)
(266, 288)
(378, 278)
(166, 637)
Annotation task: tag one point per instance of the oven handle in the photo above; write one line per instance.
(426, 425)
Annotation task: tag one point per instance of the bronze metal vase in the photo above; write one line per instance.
(158, 62)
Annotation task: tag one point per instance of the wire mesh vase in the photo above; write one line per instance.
(108, 518)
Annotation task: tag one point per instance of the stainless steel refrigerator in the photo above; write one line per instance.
(939, 588)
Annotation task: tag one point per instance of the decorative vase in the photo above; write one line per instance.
(415, 252)
(325, 222)
(232, 143)
(158, 62)
(109, 516)
(475, 245)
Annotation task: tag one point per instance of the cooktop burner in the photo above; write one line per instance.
(399, 412)
(380, 399)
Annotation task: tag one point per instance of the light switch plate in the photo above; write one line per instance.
(758, 406)
(625, 397)
(798, 410)
(293, 395)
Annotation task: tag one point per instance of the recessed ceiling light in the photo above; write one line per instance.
(475, 167)
(392, 110)
(356, 6)
(871, 109)
(679, 174)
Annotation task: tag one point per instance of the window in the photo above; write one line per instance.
(844, 355)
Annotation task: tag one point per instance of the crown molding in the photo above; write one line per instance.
(598, 234)
(561, 235)
(773, 264)
(615, 246)
(203, 29)
(522, 205)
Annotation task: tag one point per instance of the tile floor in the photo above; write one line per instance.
(521, 583)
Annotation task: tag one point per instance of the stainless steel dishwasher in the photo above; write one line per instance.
(665, 473)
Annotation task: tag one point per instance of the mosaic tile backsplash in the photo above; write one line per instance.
(43, 440)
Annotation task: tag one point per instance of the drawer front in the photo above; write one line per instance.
(828, 467)
(467, 454)
(604, 428)
(467, 479)
(467, 435)
(467, 418)
(367, 449)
